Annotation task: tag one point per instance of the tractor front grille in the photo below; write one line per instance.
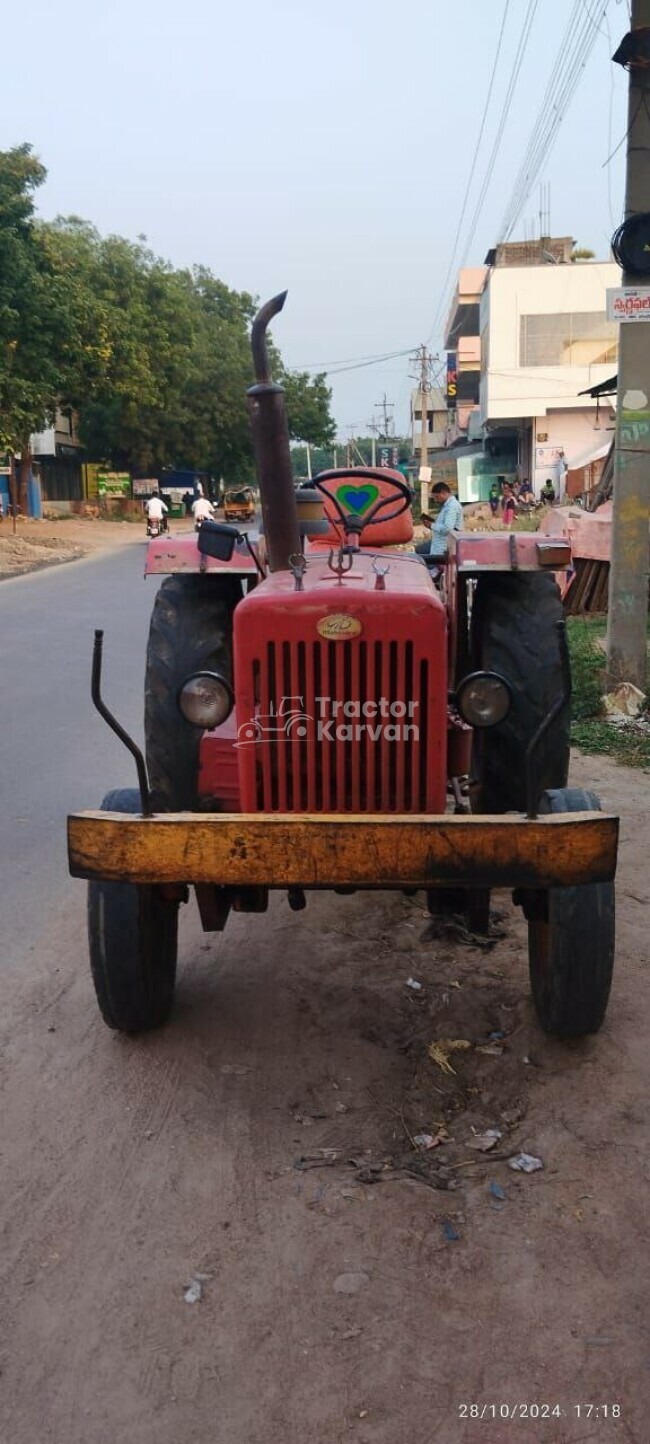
(299, 763)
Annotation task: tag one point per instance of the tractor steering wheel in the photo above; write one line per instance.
(358, 518)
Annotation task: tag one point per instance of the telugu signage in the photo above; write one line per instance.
(628, 303)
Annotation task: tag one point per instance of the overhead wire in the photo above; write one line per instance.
(575, 48)
(610, 112)
(334, 368)
(547, 109)
(519, 57)
(472, 169)
(496, 145)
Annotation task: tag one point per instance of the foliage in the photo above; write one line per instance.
(155, 361)
(326, 456)
(308, 408)
(589, 730)
(37, 312)
(582, 253)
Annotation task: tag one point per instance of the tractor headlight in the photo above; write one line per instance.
(483, 699)
(206, 700)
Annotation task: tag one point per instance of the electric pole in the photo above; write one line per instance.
(373, 429)
(385, 406)
(423, 362)
(628, 581)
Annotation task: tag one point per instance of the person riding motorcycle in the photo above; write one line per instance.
(156, 513)
(202, 510)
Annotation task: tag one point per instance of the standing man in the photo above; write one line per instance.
(449, 519)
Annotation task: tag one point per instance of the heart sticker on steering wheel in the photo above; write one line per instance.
(357, 498)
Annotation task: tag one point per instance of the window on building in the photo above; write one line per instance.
(579, 338)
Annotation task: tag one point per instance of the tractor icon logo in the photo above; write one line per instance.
(287, 722)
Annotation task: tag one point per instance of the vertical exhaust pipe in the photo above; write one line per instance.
(268, 419)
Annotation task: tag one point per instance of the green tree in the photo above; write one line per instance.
(308, 401)
(48, 322)
(155, 361)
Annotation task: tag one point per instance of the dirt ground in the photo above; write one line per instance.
(355, 1286)
(262, 1150)
(38, 544)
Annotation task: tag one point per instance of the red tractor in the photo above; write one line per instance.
(312, 710)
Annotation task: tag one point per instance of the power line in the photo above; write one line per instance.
(443, 288)
(518, 61)
(548, 104)
(334, 368)
(575, 48)
(501, 124)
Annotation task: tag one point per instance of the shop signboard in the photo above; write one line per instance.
(113, 483)
(628, 303)
(452, 381)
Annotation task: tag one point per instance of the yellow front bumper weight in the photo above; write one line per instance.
(281, 850)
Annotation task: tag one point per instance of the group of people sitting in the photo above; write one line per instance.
(508, 499)
(504, 497)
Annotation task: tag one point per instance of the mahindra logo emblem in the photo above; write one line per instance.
(338, 626)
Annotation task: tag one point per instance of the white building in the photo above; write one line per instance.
(545, 338)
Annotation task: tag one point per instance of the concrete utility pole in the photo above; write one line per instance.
(424, 363)
(628, 582)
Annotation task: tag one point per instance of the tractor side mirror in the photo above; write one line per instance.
(216, 539)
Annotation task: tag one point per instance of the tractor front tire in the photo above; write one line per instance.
(132, 938)
(190, 631)
(571, 944)
(514, 633)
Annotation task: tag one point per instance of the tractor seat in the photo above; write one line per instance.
(357, 496)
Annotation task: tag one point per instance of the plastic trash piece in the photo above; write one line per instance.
(483, 1142)
(525, 1163)
(449, 1231)
(414, 985)
(497, 1191)
(194, 1290)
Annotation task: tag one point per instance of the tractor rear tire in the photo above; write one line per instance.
(132, 938)
(190, 631)
(514, 632)
(571, 948)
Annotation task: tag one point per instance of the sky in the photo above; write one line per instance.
(321, 147)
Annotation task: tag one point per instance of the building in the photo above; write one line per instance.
(545, 341)
(436, 420)
(463, 346)
(58, 455)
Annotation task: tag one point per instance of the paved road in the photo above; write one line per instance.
(55, 752)
(264, 1139)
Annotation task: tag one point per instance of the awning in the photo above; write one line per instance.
(604, 388)
(595, 453)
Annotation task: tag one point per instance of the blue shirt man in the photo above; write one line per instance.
(449, 518)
